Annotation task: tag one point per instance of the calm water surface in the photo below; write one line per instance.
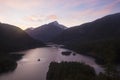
(29, 68)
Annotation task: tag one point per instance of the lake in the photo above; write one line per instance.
(30, 68)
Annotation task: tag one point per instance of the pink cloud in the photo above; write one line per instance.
(92, 13)
(41, 18)
(70, 12)
(78, 17)
(21, 4)
(51, 17)
(34, 18)
(106, 9)
(76, 3)
(65, 4)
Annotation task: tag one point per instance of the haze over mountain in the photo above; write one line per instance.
(13, 38)
(46, 32)
(105, 28)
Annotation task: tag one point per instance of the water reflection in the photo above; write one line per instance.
(29, 68)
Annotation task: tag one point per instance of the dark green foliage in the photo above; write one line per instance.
(70, 71)
(102, 76)
(8, 62)
(105, 52)
(99, 49)
(75, 71)
(7, 65)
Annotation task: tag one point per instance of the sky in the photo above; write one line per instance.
(34, 13)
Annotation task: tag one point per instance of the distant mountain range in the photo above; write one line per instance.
(102, 29)
(13, 38)
(100, 38)
(46, 32)
(105, 28)
(100, 35)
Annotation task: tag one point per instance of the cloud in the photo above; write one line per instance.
(69, 12)
(41, 18)
(78, 17)
(51, 17)
(109, 8)
(33, 18)
(20, 4)
(92, 13)
(76, 3)
(65, 4)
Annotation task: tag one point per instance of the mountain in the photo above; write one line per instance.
(105, 28)
(46, 32)
(100, 39)
(13, 38)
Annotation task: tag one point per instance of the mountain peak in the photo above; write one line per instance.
(57, 24)
(54, 22)
(47, 32)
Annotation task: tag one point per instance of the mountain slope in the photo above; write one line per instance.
(100, 39)
(46, 32)
(104, 28)
(13, 38)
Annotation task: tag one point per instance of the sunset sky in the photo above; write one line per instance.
(33, 13)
